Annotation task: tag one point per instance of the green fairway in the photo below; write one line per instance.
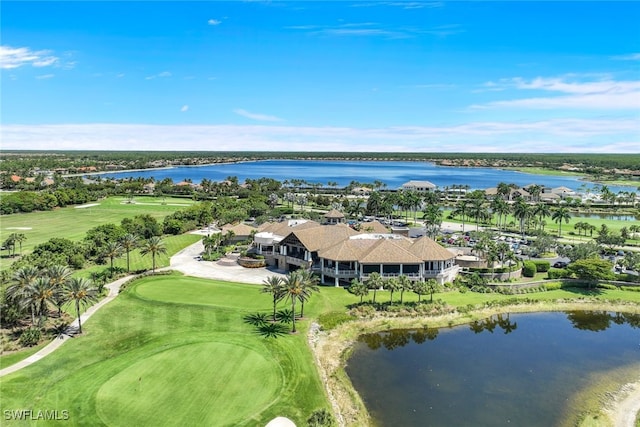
(72, 222)
(145, 362)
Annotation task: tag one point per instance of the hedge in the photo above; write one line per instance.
(529, 269)
(542, 266)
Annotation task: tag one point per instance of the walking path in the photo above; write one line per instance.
(113, 287)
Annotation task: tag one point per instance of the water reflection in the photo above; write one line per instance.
(398, 338)
(601, 320)
(505, 370)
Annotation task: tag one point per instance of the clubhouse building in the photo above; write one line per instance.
(339, 254)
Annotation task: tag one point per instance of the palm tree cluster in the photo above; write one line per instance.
(10, 242)
(585, 227)
(297, 286)
(35, 291)
(400, 283)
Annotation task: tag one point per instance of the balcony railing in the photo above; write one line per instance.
(340, 273)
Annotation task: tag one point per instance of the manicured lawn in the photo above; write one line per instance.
(72, 222)
(147, 362)
(175, 350)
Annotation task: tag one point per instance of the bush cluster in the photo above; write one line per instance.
(542, 266)
(529, 269)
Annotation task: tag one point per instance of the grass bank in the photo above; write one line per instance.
(332, 348)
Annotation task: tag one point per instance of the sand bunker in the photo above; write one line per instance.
(88, 205)
(18, 228)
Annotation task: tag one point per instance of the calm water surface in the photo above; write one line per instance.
(518, 370)
(392, 173)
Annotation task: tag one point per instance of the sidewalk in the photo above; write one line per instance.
(114, 288)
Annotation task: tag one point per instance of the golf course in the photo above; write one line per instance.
(146, 359)
(176, 350)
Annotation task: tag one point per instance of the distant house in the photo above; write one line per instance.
(563, 192)
(334, 216)
(514, 193)
(419, 186)
(240, 231)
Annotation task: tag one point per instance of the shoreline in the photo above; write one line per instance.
(551, 172)
(331, 351)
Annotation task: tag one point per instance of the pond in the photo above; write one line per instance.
(516, 370)
(609, 216)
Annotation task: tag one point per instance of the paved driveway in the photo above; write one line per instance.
(186, 261)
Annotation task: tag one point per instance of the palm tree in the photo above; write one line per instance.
(511, 257)
(19, 238)
(358, 288)
(500, 208)
(153, 246)
(431, 286)
(17, 293)
(478, 210)
(112, 250)
(432, 220)
(273, 285)
(80, 291)
(129, 242)
(521, 211)
(309, 284)
(535, 190)
(420, 288)
(392, 284)
(58, 276)
(461, 209)
(210, 242)
(374, 282)
(405, 285)
(559, 215)
(293, 289)
(39, 294)
(542, 211)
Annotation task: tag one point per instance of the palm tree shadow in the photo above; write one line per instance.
(264, 325)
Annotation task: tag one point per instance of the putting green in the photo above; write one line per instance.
(212, 383)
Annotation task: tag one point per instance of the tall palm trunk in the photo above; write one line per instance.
(78, 315)
(293, 314)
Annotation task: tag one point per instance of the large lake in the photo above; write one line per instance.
(519, 370)
(392, 173)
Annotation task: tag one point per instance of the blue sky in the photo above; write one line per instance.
(321, 76)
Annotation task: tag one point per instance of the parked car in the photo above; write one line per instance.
(560, 264)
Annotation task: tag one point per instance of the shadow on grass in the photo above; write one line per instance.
(265, 326)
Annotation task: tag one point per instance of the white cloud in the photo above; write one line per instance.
(214, 22)
(45, 76)
(17, 57)
(163, 74)
(604, 94)
(629, 57)
(184, 108)
(256, 116)
(559, 135)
